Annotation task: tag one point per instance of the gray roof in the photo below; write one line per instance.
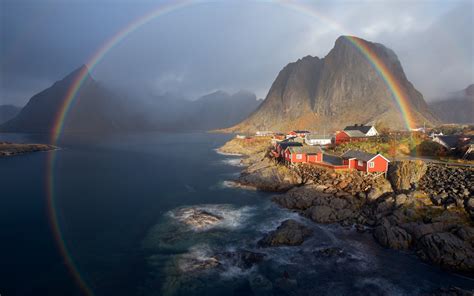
(450, 141)
(316, 136)
(358, 127)
(359, 155)
(355, 133)
(306, 149)
(285, 144)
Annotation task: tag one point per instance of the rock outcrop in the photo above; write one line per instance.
(289, 233)
(405, 175)
(268, 176)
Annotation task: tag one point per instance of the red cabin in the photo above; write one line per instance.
(306, 154)
(366, 162)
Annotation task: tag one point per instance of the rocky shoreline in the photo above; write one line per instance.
(11, 149)
(427, 209)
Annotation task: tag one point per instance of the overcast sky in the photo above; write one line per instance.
(224, 45)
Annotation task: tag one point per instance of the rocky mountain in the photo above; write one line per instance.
(99, 109)
(7, 112)
(340, 89)
(94, 109)
(457, 107)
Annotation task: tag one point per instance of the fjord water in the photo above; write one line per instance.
(118, 200)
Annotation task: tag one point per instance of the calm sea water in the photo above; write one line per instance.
(118, 200)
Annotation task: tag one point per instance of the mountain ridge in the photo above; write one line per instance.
(340, 89)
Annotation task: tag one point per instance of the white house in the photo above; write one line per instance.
(317, 140)
(367, 130)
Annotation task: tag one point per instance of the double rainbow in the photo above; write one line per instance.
(382, 69)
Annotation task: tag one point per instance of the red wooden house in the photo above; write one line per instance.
(281, 146)
(306, 154)
(355, 133)
(366, 162)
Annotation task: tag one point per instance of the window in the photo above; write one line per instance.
(360, 163)
(299, 156)
(371, 164)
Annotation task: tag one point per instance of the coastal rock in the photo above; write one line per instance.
(405, 174)
(198, 219)
(392, 236)
(469, 207)
(301, 198)
(401, 199)
(269, 176)
(289, 233)
(242, 258)
(327, 214)
(330, 252)
(378, 190)
(447, 250)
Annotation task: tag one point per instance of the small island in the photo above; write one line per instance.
(11, 149)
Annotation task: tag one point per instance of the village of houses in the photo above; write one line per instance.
(304, 147)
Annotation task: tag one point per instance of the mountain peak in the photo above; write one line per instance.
(337, 90)
(83, 70)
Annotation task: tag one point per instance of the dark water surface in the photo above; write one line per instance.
(119, 200)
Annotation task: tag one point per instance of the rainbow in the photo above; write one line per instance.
(383, 71)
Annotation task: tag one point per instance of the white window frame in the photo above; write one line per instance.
(360, 163)
(371, 165)
(299, 156)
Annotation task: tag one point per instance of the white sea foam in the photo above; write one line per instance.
(227, 154)
(233, 162)
(234, 184)
(214, 216)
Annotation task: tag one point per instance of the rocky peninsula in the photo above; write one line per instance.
(424, 208)
(10, 149)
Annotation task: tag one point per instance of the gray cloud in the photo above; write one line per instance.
(225, 45)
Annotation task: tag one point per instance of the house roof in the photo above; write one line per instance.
(355, 134)
(305, 149)
(359, 155)
(316, 137)
(358, 127)
(450, 141)
(286, 144)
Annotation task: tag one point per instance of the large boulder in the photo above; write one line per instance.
(379, 189)
(392, 236)
(289, 233)
(269, 176)
(301, 198)
(403, 175)
(328, 214)
(447, 250)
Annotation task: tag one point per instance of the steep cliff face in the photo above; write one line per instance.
(342, 88)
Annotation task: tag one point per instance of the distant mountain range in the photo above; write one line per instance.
(340, 89)
(7, 112)
(98, 109)
(457, 107)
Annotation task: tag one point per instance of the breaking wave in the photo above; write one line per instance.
(227, 154)
(233, 162)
